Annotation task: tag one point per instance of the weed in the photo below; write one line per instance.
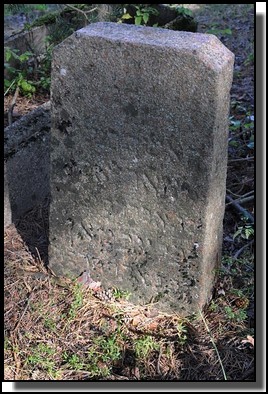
(102, 354)
(42, 357)
(182, 331)
(234, 315)
(142, 14)
(246, 231)
(119, 294)
(144, 345)
(249, 60)
(27, 71)
(183, 11)
(73, 361)
(101, 371)
(77, 302)
(109, 348)
(213, 307)
(18, 76)
(50, 324)
(219, 32)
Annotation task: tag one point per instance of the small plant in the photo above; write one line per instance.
(234, 315)
(219, 32)
(42, 357)
(50, 324)
(73, 361)
(77, 302)
(184, 11)
(213, 307)
(245, 232)
(142, 14)
(249, 60)
(182, 331)
(102, 354)
(109, 349)
(144, 345)
(118, 294)
(17, 77)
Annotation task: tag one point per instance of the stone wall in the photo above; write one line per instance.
(139, 160)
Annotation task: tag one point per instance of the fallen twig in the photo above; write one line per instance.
(238, 195)
(23, 313)
(84, 13)
(242, 200)
(240, 209)
(214, 345)
(6, 92)
(241, 159)
(241, 249)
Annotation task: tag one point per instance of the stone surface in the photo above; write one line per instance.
(139, 159)
(26, 154)
(7, 208)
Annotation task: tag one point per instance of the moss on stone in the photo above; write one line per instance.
(45, 19)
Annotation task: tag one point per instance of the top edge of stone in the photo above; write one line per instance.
(145, 35)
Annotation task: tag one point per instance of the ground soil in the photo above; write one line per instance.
(217, 346)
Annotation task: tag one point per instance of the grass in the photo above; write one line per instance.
(72, 335)
(144, 345)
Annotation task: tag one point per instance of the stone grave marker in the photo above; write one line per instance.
(139, 160)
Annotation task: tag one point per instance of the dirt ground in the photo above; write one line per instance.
(56, 330)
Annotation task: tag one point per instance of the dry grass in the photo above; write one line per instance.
(60, 330)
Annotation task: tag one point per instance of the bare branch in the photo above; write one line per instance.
(242, 200)
(240, 209)
(81, 11)
(238, 195)
(241, 159)
(241, 249)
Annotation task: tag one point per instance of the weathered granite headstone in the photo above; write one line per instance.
(139, 159)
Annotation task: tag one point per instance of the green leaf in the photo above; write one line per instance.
(249, 125)
(8, 55)
(184, 11)
(138, 20)
(26, 87)
(7, 83)
(227, 31)
(145, 17)
(126, 16)
(238, 232)
(233, 143)
(25, 56)
(248, 231)
(212, 31)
